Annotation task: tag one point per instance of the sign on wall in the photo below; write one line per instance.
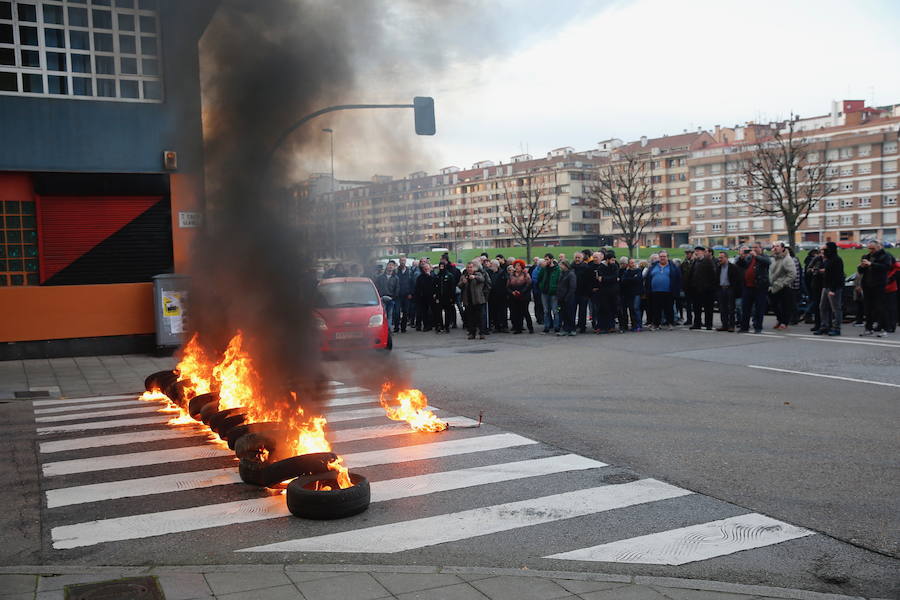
(189, 220)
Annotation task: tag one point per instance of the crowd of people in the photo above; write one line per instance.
(606, 294)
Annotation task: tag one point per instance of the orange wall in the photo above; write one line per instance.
(73, 311)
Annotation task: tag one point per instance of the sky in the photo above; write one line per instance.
(531, 75)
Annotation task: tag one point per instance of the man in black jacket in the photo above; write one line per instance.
(584, 278)
(403, 308)
(729, 283)
(873, 268)
(702, 288)
(607, 275)
(831, 274)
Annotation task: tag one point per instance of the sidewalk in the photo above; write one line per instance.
(351, 582)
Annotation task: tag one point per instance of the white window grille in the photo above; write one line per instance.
(890, 184)
(715, 169)
(865, 185)
(846, 219)
(865, 169)
(699, 214)
(716, 227)
(716, 198)
(732, 226)
(865, 202)
(846, 171)
(847, 203)
(865, 149)
(890, 216)
(699, 200)
(865, 219)
(847, 186)
(744, 225)
(832, 221)
(890, 166)
(831, 204)
(889, 148)
(890, 201)
(699, 185)
(813, 221)
(99, 51)
(846, 152)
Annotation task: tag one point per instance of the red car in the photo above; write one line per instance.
(350, 315)
(849, 245)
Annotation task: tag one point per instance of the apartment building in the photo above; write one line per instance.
(862, 152)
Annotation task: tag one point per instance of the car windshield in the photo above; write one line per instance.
(346, 294)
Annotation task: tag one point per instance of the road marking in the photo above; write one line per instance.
(436, 450)
(59, 401)
(352, 415)
(690, 544)
(103, 424)
(118, 439)
(195, 480)
(377, 431)
(339, 391)
(834, 340)
(350, 401)
(145, 486)
(258, 509)
(868, 339)
(134, 459)
(145, 408)
(63, 409)
(826, 376)
(452, 527)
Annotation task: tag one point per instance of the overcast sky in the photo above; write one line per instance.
(540, 74)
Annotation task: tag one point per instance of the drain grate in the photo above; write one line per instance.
(132, 588)
(31, 394)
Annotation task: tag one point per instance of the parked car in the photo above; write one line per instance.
(808, 245)
(888, 244)
(849, 245)
(720, 247)
(685, 246)
(350, 316)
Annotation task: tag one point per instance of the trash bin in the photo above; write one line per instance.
(170, 293)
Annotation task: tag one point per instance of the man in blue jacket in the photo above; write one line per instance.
(662, 284)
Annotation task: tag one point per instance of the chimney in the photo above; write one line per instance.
(643, 141)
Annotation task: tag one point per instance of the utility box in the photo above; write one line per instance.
(170, 292)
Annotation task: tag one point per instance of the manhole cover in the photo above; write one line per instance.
(133, 588)
(617, 478)
(32, 394)
(477, 351)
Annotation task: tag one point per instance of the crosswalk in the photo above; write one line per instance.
(114, 472)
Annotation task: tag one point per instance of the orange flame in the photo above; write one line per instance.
(343, 475)
(238, 381)
(410, 406)
(194, 367)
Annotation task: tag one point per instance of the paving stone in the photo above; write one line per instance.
(627, 592)
(16, 584)
(52, 595)
(684, 594)
(577, 586)
(301, 576)
(352, 586)
(401, 583)
(231, 583)
(184, 586)
(460, 591)
(474, 576)
(282, 592)
(19, 596)
(520, 588)
(49, 583)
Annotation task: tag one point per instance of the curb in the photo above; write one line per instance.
(670, 582)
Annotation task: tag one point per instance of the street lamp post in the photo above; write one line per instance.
(330, 131)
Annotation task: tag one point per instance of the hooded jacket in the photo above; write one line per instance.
(875, 275)
(833, 278)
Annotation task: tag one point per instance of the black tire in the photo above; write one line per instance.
(230, 422)
(215, 421)
(305, 502)
(207, 412)
(198, 402)
(238, 431)
(390, 344)
(252, 445)
(160, 380)
(175, 392)
(268, 474)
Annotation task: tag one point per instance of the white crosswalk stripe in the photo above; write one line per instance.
(102, 502)
(690, 544)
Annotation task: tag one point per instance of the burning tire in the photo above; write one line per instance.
(160, 380)
(304, 500)
(198, 402)
(238, 431)
(217, 420)
(175, 392)
(207, 412)
(261, 447)
(267, 474)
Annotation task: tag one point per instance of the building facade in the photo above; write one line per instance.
(100, 170)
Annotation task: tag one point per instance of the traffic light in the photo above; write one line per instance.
(423, 106)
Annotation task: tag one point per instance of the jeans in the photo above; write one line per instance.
(581, 304)
(753, 302)
(551, 317)
(638, 310)
(402, 307)
(726, 307)
(389, 308)
(830, 310)
(538, 306)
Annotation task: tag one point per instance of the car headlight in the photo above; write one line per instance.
(321, 324)
(376, 320)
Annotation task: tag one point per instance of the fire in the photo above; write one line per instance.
(155, 396)
(343, 475)
(409, 405)
(238, 381)
(194, 367)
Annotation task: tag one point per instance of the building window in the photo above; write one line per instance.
(813, 221)
(846, 219)
(847, 203)
(846, 152)
(716, 169)
(699, 214)
(890, 201)
(846, 171)
(699, 185)
(715, 198)
(699, 171)
(716, 227)
(889, 148)
(107, 50)
(759, 224)
(865, 149)
(865, 202)
(890, 184)
(832, 221)
(865, 169)
(18, 244)
(831, 204)
(700, 227)
(847, 187)
(732, 226)
(890, 166)
(865, 219)
(812, 157)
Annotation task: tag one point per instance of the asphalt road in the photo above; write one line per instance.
(680, 407)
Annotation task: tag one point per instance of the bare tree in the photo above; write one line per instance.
(623, 189)
(529, 206)
(780, 180)
(406, 227)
